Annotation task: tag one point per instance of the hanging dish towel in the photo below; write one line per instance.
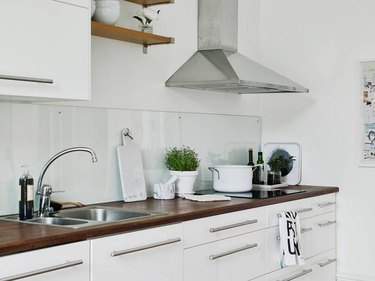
(290, 233)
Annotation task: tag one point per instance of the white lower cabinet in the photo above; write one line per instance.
(237, 246)
(238, 258)
(60, 263)
(151, 254)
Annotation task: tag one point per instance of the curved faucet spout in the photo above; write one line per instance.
(58, 155)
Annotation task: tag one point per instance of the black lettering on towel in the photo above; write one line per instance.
(291, 226)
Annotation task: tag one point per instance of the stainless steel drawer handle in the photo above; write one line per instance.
(323, 264)
(303, 230)
(146, 247)
(300, 211)
(26, 79)
(247, 247)
(326, 224)
(324, 205)
(307, 229)
(221, 228)
(304, 272)
(42, 271)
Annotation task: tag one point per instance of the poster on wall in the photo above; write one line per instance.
(367, 113)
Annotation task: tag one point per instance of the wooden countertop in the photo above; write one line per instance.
(18, 237)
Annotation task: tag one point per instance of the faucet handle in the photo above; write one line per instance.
(46, 190)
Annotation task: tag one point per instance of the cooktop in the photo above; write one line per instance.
(254, 193)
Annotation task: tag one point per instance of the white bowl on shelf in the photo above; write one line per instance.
(105, 4)
(107, 15)
(93, 7)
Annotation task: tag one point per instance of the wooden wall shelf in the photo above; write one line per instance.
(151, 2)
(128, 35)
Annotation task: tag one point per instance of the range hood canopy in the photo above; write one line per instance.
(217, 66)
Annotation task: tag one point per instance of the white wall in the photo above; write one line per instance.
(319, 44)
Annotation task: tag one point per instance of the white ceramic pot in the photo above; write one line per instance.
(232, 178)
(185, 182)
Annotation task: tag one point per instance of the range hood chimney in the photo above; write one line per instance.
(217, 66)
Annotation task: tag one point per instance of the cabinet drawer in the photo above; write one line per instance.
(223, 226)
(303, 207)
(152, 254)
(239, 258)
(324, 204)
(295, 273)
(324, 233)
(60, 263)
(324, 266)
(273, 244)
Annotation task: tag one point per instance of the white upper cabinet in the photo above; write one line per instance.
(45, 50)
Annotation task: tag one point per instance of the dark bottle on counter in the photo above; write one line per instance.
(259, 171)
(251, 161)
(26, 198)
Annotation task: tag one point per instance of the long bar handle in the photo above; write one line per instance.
(231, 252)
(221, 228)
(43, 270)
(146, 247)
(307, 229)
(304, 272)
(323, 264)
(305, 210)
(327, 204)
(326, 224)
(303, 230)
(26, 79)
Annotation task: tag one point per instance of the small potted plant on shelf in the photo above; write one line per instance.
(145, 17)
(279, 165)
(183, 163)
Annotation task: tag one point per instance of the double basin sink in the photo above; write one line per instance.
(88, 216)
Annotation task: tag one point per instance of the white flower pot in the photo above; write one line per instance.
(185, 182)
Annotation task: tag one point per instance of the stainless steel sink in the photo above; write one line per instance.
(87, 216)
(57, 221)
(102, 214)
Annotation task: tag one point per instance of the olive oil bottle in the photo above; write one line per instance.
(26, 195)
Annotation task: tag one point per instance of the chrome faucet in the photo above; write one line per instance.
(43, 192)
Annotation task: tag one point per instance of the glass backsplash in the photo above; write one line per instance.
(31, 134)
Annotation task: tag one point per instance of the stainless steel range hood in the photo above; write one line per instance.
(217, 66)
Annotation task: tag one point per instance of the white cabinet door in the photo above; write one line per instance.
(60, 263)
(152, 254)
(239, 258)
(45, 50)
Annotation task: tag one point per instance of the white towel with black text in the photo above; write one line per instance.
(290, 233)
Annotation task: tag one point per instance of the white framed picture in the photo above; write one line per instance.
(367, 114)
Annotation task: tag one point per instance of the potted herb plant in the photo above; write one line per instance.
(279, 166)
(183, 162)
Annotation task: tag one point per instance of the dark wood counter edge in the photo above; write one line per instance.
(60, 236)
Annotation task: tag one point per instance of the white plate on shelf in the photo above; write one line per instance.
(293, 149)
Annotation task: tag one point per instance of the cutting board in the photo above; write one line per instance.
(131, 172)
